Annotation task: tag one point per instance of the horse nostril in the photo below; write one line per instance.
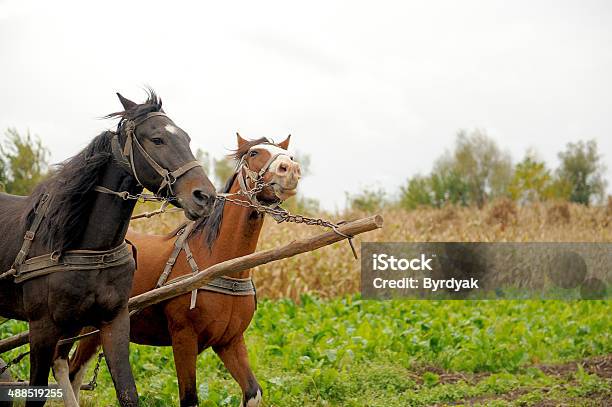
(201, 198)
(282, 168)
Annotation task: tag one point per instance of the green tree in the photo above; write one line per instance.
(416, 193)
(223, 169)
(480, 164)
(25, 162)
(367, 200)
(531, 181)
(582, 169)
(448, 187)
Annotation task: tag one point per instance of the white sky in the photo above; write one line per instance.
(374, 91)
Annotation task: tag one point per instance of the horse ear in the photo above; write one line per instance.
(285, 144)
(127, 103)
(240, 140)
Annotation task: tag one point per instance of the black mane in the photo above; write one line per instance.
(69, 187)
(210, 226)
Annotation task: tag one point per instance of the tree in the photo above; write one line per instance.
(223, 169)
(416, 193)
(25, 162)
(448, 187)
(367, 200)
(531, 181)
(480, 164)
(582, 169)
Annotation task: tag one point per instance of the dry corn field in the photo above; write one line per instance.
(332, 271)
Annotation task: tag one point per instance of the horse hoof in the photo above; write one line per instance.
(254, 401)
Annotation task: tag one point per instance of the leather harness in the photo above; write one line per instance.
(23, 269)
(221, 284)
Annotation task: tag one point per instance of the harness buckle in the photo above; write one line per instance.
(55, 256)
(234, 286)
(106, 258)
(29, 235)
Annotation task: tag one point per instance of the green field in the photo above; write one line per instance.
(351, 352)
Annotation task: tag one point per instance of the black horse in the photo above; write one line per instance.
(58, 305)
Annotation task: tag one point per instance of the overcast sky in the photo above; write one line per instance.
(373, 92)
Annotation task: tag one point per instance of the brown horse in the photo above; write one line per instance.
(218, 320)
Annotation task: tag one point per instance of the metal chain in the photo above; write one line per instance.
(149, 197)
(281, 215)
(125, 195)
(94, 380)
(162, 209)
(14, 361)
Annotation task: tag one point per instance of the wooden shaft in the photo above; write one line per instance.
(14, 341)
(231, 266)
(252, 260)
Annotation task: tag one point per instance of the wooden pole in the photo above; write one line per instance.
(14, 341)
(231, 266)
(252, 260)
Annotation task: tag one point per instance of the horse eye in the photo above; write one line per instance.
(157, 141)
(253, 153)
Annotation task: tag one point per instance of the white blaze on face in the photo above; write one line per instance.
(171, 129)
(274, 150)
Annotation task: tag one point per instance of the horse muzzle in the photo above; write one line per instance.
(197, 199)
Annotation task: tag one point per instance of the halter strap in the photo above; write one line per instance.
(125, 155)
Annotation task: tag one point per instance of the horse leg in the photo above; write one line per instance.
(185, 350)
(236, 359)
(79, 361)
(61, 373)
(116, 344)
(44, 336)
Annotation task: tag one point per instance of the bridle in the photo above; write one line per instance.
(125, 157)
(245, 174)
